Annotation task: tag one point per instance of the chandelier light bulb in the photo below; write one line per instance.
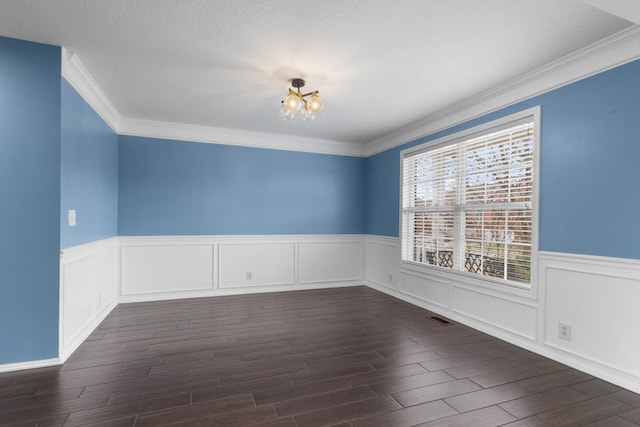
(307, 114)
(292, 102)
(286, 114)
(315, 104)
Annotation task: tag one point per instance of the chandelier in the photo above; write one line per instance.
(296, 101)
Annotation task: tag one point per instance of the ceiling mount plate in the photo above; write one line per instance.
(297, 83)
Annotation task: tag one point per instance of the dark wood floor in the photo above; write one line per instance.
(347, 357)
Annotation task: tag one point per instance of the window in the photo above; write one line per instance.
(468, 201)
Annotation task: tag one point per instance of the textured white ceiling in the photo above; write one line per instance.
(380, 65)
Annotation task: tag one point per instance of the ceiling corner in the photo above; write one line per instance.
(625, 9)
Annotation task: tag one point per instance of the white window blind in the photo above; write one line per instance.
(467, 204)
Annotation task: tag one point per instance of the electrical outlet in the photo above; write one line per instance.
(390, 278)
(249, 275)
(564, 331)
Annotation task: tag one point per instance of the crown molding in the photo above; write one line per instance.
(213, 135)
(608, 53)
(79, 78)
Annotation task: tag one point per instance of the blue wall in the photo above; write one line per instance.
(382, 193)
(589, 174)
(186, 188)
(89, 175)
(57, 154)
(30, 200)
(591, 166)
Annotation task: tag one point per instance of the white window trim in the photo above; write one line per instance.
(490, 283)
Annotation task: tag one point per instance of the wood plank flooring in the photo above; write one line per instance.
(336, 357)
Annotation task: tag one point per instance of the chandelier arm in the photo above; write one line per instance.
(293, 92)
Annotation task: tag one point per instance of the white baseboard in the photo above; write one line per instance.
(44, 363)
(163, 296)
(607, 373)
(74, 342)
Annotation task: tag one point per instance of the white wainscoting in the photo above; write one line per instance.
(89, 277)
(597, 296)
(332, 260)
(514, 316)
(509, 315)
(432, 291)
(250, 264)
(166, 268)
(194, 266)
(381, 260)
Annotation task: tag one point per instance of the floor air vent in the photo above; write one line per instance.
(440, 320)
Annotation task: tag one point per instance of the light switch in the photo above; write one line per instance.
(72, 218)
